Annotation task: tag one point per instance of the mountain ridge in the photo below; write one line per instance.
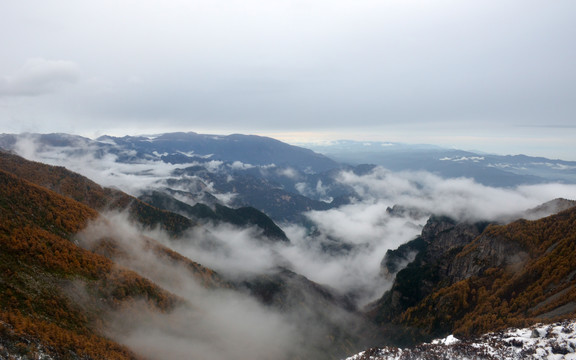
(504, 275)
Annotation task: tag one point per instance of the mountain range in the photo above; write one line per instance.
(245, 247)
(487, 169)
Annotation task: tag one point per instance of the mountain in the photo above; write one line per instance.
(184, 148)
(236, 170)
(482, 277)
(246, 189)
(43, 277)
(487, 169)
(84, 190)
(206, 244)
(243, 217)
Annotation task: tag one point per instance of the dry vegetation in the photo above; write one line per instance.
(542, 289)
(39, 263)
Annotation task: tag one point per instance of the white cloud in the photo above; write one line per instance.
(212, 324)
(289, 173)
(104, 168)
(460, 198)
(239, 165)
(325, 259)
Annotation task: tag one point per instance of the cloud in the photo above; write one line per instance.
(347, 259)
(39, 76)
(289, 173)
(212, 323)
(317, 192)
(363, 231)
(238, 253)
(88, 158)
(460, 198)
(239, 165)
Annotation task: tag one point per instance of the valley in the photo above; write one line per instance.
(188, 245)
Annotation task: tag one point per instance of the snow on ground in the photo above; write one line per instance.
(540, 342)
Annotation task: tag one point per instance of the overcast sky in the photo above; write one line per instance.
(477, 74)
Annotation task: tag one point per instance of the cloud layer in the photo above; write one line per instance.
(460, 198)
(216, 324)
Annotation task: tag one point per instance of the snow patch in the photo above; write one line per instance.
(539, 342)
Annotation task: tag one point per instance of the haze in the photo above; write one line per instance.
(487, 75)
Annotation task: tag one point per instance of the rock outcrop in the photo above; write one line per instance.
(468, 279)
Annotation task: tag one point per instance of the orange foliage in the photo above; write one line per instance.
(39, 262)
(501, 298)
(60, 342)
(83, 190)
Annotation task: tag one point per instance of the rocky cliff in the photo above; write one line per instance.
(473, 278)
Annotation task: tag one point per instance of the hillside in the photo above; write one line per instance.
(202, 213)
(50, 286)
(84, 190)
(468, 279)
(96, 251)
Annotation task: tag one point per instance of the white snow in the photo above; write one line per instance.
(540, 342)
(449, 340)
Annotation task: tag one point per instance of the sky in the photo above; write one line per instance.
(496, 76)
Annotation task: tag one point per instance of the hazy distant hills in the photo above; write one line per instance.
(249, 149)
(487, 169)
(240, 170)
(189, 147)
(250, 152)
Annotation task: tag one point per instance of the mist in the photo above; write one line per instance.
(460, 198)
(212, 323)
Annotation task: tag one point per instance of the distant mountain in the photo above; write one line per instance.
(236, 170)
(182, 148)
(487, 169)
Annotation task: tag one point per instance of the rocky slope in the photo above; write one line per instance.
(54, 292)
(539, 342)
(468, 279)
